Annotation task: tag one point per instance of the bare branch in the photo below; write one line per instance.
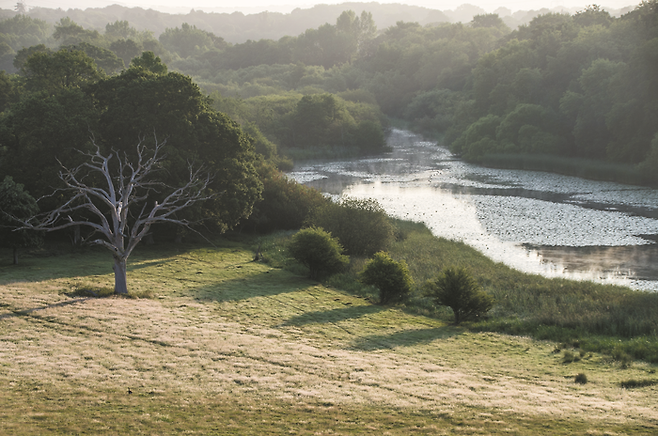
(110, 204)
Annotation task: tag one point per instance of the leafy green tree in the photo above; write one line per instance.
(592, 15)
(319, 251)
(187, 39)
(24, 54)
(368, 137)
(139, 102)
(391, 278)
(320, 120)
(126, 49)
(9, 90)
(38, 131)
(16, 204)
(51, 72)
(149, 61)
(105, 59)
(457, 289)
(285, 204)
(23, 31)
(120, 29)
(67, 32)
(361, 225)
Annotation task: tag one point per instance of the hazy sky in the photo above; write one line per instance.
(252, 6)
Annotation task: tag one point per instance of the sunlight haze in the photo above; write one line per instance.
(285, 6)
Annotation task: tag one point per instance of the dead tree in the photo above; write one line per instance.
(122, 205)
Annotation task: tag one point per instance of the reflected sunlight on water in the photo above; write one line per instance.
(541, 223)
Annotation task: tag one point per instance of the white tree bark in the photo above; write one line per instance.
(123, 212)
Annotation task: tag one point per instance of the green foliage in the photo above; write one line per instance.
(149, 61)
(120, 29)
(40, 130)
(105, 59)
(319, 251)
(362, 226)
(457, 289)
(391, 278)
(635, 384)
(581, 378)
(285, 204)
(125, 49)
(51, 72)
(9, 90)
(187, 40)
(16, 204)
(68, 32)
(140, 102)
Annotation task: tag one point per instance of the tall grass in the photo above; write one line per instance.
(612, 319)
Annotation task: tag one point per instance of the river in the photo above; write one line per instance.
(543, 223)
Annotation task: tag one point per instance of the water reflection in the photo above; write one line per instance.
(537, 222)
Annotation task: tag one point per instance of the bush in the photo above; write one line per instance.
(390, 277)
(633, 384)
(318, 250)
(457, 289)
(285, 204)
(362, 226)
(581, 378)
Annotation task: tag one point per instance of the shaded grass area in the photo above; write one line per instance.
(577, 167)
(226, 345)
(611, 319)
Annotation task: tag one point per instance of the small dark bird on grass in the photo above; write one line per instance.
(129, 391)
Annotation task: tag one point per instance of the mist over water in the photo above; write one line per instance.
(536, 222)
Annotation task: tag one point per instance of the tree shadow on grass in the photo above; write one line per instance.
(260, 284)
(405, 338)
(74, 263)
(333, 315)
(35, 309)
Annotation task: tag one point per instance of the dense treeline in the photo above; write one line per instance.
(237, 27)
(580, 86)
(575, 86)
(66, 104)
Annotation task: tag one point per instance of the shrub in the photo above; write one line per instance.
(362, 226)
(457, 289)
(285, 204)
(581, 378)
(632, 384)
(390, 277)
(318, 250)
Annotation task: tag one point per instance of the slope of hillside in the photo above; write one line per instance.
(226, 345)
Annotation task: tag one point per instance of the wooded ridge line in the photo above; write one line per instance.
(238, 27)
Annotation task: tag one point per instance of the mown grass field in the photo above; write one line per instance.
(226, 345)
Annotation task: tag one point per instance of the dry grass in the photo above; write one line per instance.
(231, 346)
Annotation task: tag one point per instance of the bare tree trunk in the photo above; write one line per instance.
(120, 283)
(77, 238)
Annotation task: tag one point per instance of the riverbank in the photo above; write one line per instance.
(579, 316)
(583, 168)
(228, 345)
(536, 222)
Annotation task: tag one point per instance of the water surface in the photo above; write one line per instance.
(537, 222)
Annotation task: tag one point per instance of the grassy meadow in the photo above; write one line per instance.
(215, 343)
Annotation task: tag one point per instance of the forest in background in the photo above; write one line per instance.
(570, 86)
(238, 27)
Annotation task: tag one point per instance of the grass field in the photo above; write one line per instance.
(225, 345)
